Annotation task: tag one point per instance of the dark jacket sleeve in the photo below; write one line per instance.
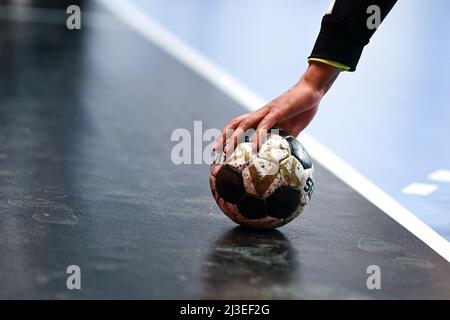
(344, 31)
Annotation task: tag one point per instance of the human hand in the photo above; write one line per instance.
(291, 112)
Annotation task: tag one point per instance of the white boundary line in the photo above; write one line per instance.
(164, 39)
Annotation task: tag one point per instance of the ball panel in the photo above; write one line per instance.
(241, 156)
(283, 202)
(275, 149)
(219, 159)
(230, 210)
(295, 214)
(307, 189)
(291, 172)
(229, 184)
(299, 152)
(259, 176)
(252, 207)
(212, 185)
(278, 182)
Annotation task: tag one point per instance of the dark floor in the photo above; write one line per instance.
(86, 179)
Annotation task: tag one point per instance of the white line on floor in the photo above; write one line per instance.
(440, 175)
(175, 47)
(420, 189)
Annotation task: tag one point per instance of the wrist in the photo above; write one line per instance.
(320, 76)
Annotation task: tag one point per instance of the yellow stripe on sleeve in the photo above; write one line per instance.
(335, 64)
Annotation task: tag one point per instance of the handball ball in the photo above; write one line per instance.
(267, 189)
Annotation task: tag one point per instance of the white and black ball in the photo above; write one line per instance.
(266, 189)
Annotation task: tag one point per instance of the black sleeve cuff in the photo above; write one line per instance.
(340, 41)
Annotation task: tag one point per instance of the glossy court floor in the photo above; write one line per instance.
(86, 179)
